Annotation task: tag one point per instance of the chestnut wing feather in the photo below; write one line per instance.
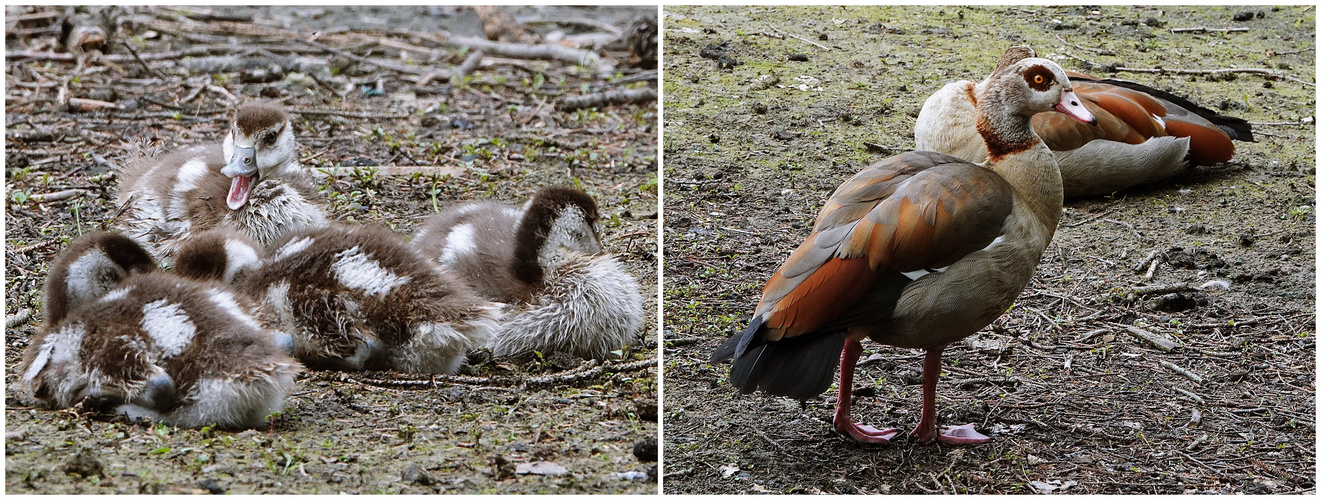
(1124, 113)
(906, 213)
(909, 212)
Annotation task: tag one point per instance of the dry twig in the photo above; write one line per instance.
(623, 96)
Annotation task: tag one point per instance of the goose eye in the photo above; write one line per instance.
(1039, 79)
(270, 139)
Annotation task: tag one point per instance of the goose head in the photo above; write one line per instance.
(1021, 86)
(556, 222)
(260, 145)
(91, 266)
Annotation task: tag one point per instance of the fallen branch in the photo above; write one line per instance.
(1162, 289)
(1188, 393)
(57, 196)
(1104, 52)
(1177, 71)
(777, 30)
(134, 52)
(18, 319)
(624, 96)
(524, 51)
(1159, 341)
(380, 64)
(21, 55)
(35, 246)
(1204, 30)
(680, 342)
(1151, 271)
(1181, 371)
(78, 105)
(469, 64)
(585, 371)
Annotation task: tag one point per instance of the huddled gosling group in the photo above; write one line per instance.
(262, 283)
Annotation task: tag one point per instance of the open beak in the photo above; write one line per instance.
(242, 168)
(1071, 105)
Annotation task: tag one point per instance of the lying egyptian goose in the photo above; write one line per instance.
(252, 182)
(1142, 135)
(121, 336)
(352, 297)
(544, 259)
(918, 250)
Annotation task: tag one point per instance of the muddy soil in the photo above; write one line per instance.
(495, 135)
(1074, 402)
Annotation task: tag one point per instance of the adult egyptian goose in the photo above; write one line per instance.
(121, 336)
(1142, 135)
(352, 297)
(252, 182)
(917, 250)
(544, 259)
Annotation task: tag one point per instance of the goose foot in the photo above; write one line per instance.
(864, 433)
(962, 434)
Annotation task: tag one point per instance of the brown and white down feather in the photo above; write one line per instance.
(153, 345)
(544, 260)
(355, 297)
(589, 307)
(168, 198)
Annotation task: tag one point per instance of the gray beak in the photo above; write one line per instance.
(244, 162)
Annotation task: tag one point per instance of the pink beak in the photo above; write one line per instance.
(1071, 105)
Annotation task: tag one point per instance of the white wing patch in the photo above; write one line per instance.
(189, 173)
(458, 242)
(226, 302)
(359, 272)
(60, 347)
(168, 326)
(239, 256)
(90, 275)
(292, 247)
(116, 294)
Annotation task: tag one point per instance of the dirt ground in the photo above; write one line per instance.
(357, 81)
(1074, 402)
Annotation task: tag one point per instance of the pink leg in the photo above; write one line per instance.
(926, 427)
(862, 433)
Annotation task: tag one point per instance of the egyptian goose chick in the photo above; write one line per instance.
(1142, 135)
(252, 182)
(123, 337)
(918, 250)
(352, 297)
(546, 260)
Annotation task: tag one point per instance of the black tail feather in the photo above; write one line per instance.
(799, 367)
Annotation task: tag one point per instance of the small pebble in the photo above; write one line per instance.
(415, 474)
(212, 486)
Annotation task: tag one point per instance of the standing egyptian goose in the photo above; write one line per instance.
(544, 259)
(252, 182)
(918, 250)
(1142, 135)
(352, 297)
(121, 336)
